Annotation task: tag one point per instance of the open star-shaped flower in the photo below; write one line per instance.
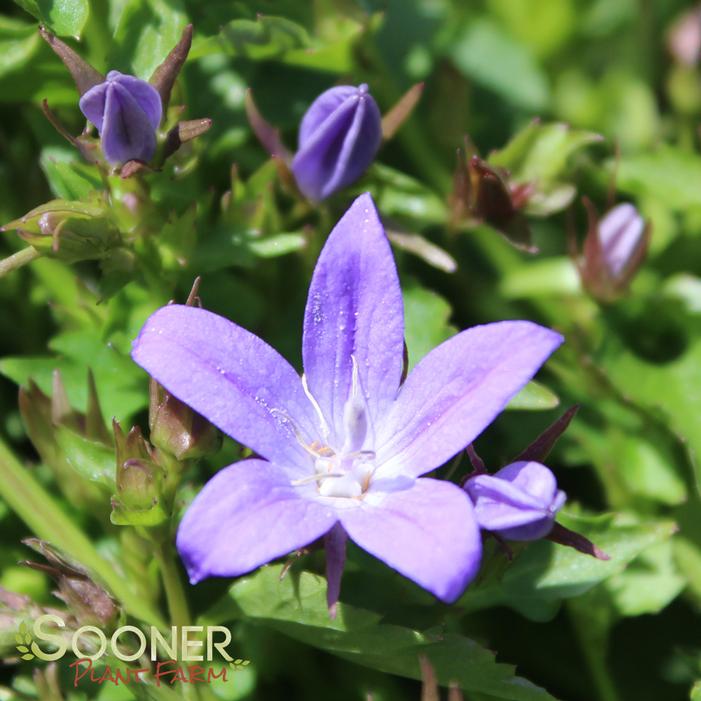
(343, 447)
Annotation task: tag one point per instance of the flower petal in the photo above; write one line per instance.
(532, 478)
(499, 504)
(144, 93)
(231, 377)
(354, 309)
(621, 232)
(245, 516)
(126, 132)
(92, 104)
(321, 109)
(335, 548)
(457, 390)
(428, 533)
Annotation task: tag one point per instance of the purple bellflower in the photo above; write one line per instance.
(338, 139)
(519, 502)
(126, 112)
(343, 447)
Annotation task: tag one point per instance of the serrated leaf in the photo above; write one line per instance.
(663, 386)
(543, 573)
(22, 648)
(120, 382)
(28, 656)
(296, 606)
(648, 584)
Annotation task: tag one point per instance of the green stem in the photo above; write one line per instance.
(592, 634)
(17, 260)
(30, 501)
(178, 609)
(172, 583)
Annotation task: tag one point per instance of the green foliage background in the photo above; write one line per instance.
(578, 629)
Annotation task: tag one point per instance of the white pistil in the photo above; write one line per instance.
(345, 473)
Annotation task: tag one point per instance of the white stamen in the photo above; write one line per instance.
(325, 432)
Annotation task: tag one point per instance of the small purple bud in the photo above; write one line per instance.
(338, 139)
(519, 502)
(126, 112)
(614, 249)
(621, 233)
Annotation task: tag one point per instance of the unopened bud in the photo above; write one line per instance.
(483, 194)
(614, 249)
(70, 231)
(519, 502)
(86, 600)
(338, 138)
(177, 429)
(138, 484)
(139, 481)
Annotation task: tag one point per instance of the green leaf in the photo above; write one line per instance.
(398, 195)
(37, 508)
(296, 606)
(543, 573)
(146, 31)
(541, 277)
(648, 584)
(663, 386)
(18, 43)
(62, 17)
(426, 320)
(91, 460)
(500, 63)
(534, 397)
(668, 174)
(540, 154)
(265, 37)
(277, 245)
(121, 384)
(68, 178)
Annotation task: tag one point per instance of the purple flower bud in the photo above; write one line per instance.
(338, 138)
(126, 112)
(621, 234)
(614, 249)
(519, 502)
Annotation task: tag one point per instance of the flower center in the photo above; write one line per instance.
(345, 471)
